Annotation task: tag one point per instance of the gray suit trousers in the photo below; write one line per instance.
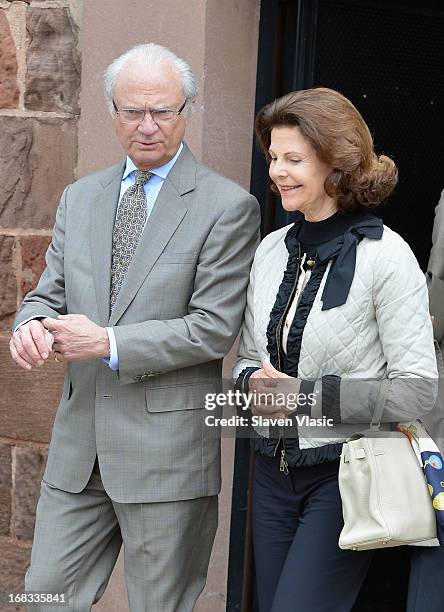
(78, 536)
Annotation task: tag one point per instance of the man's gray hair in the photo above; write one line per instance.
(147, 56)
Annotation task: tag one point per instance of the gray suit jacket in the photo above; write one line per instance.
(177, 315)
(435, 281)
(435, 272)
(434, 421)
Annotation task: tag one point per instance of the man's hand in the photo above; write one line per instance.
(266, 381)
(77, 338)
(30, 345)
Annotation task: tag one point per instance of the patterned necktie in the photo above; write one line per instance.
(128, 228)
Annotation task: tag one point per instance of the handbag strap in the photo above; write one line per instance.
(384, 387)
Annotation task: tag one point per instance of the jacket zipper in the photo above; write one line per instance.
(283, 464)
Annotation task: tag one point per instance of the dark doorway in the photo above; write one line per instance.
(386, 57)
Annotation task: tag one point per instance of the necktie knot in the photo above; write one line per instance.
(142, 176)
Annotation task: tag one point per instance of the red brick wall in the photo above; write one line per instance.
(39, 110)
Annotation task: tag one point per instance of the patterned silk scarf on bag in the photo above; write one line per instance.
(432, 463)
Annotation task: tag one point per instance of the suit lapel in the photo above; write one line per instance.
(166, 216)
(103, 214)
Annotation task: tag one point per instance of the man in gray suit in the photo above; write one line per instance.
(425, 593)
(142, 295)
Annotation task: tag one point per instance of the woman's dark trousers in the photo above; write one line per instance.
(297, 520)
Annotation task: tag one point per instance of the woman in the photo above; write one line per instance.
(336, 303)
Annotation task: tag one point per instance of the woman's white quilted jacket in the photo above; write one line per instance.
(382, 331)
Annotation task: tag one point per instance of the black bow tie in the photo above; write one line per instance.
(343, 252)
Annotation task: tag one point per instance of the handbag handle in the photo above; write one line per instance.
(380, 404)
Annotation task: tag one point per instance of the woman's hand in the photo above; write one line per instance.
(269, 387)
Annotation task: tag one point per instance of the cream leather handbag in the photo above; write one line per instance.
(385, 499)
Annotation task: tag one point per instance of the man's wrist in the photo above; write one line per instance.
(104, 344)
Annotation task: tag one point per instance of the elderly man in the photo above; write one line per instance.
(143, 296)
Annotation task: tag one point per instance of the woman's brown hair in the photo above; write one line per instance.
(341, 139)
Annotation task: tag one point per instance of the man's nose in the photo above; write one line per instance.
(147, 125)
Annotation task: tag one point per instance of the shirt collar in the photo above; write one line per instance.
(161, 171)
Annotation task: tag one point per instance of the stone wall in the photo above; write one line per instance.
(39, 111)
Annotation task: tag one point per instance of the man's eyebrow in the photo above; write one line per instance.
(159, 107)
